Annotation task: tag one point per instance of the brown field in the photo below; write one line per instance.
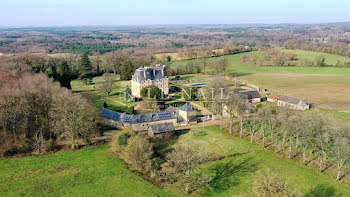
(323, 90)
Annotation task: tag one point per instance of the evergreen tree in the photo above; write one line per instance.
(65, 75)
(127, 93)
(86, 73)
(127, 70)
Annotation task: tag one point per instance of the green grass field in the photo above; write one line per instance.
(310, 55)
(87, 172)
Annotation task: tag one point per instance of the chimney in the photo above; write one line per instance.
(154, 72)
(163, 72)
(144, 73)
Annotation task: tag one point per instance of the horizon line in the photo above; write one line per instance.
(174, 24)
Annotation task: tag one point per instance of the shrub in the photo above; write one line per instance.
(50, 145)
(123, 139)
(151, 91)
(118, 141)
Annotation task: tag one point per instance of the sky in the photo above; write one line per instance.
(16, 13)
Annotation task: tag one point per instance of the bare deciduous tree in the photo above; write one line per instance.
(138, 153)
(184, 159)
(268, 184)
(107, 84)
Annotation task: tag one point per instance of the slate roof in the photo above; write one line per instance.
(250, 94)
(150, 73)
(162, 128)
(172, 109)
(289, 99)
(238, 90)
(136, 118)
(187, 107)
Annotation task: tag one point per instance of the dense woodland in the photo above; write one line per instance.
(330, 38)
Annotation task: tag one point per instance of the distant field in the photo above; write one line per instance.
(324, 87)
(177, 56)
(330, 58)
(87, 172)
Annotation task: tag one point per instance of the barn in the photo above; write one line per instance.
(161, 131)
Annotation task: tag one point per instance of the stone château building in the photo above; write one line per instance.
(147, 76)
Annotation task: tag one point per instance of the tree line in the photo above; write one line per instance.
(336, 48)
(275, 57)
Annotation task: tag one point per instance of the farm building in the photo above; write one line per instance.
(187, 113)
(147, 76)
(162, 131)
(292, 103)
(252, 95)
(139, 122)
(273, 97)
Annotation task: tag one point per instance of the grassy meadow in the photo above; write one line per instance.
(310, 55)
(87, 172)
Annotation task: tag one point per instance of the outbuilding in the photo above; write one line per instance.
(161, 131)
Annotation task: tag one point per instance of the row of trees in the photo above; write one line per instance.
(309, 134)
(202, 52)
(332, 48)
(35, 114)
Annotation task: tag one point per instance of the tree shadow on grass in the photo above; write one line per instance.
(234, 73)
(322, 190)
(228, 174)
(164, 147)
(181, 132)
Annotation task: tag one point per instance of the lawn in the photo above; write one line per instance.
(87, 172)
(215, 142)
(115, 100)
(233, 176)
